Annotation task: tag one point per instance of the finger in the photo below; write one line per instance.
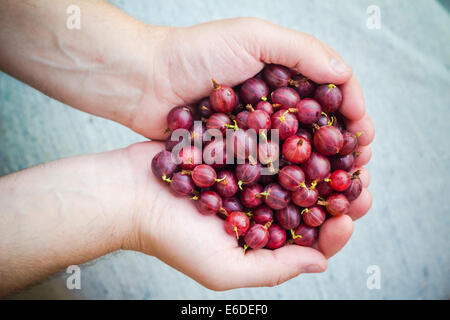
(364, 126)
(334, 234)
(266, 267)
(361, 205)
(364, 176)
(272, 43)
(353, 106)
(363, 158)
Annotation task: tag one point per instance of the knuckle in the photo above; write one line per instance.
(277, 280)
(251, 22)
(310, 40)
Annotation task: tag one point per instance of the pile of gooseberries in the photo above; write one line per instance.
(271, 157)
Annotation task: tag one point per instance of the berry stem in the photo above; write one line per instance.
(271, 167)
(293, 82)
(265, 194)
(263, 135)
(282, 118)
(249, 107)
(356, 174)
(236, 231)
(216, 86)
(295, 236)
(333, 120)
(233, 126)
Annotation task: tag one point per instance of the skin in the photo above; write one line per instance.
(121, 69)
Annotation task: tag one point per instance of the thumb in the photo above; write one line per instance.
(271, 43)
(265, 267)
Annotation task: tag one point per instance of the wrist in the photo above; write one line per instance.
(149, 70)
(147, 204)
(127, 72)
(114, 187)
(103, 68)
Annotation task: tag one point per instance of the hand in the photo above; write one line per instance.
(172, 230)
(185, 59)
(232, 51)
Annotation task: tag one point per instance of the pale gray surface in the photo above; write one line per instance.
(404, 72)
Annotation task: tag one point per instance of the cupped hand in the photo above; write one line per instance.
(171, 229)
(232, 51)
(185, 59)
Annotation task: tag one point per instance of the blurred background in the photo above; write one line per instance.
(400, 52)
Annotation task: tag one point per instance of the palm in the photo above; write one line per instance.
(198, 246)
(171, 229)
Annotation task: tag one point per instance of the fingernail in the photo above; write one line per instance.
(312, 268)
(338, 65)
